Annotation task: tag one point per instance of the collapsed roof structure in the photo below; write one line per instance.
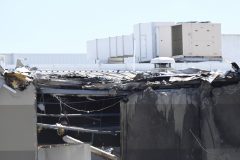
(120, 108)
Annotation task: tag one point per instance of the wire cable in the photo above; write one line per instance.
(85, 111)
(200, 144)
(98, 100)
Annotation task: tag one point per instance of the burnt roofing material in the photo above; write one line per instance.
(113, 82)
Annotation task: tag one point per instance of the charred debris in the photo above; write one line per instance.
(86, 104)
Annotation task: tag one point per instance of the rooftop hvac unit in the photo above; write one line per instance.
(196, 39)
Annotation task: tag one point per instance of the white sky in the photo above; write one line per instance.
(64, 26)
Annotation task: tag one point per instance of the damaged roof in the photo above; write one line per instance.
(113, 81)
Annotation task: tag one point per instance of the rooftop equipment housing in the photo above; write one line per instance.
(198, 40)
(152, 40)
(162, 64)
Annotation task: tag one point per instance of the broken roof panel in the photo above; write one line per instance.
(21, 77)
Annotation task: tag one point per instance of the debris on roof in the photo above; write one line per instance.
(17, 80)
(129, 81)
(116, 81)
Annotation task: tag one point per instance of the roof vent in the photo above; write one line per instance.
(162, 64)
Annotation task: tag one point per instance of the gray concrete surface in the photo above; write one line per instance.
(18, 136)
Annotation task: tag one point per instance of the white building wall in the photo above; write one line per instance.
(147, 38)
(113, 46)
(45, 59)
(120, 46)
(143, 36)
(51, 58)
(231, 47)
(201, 39)
(92, 54)
(212, 66)
(164, 41)
(18, 133)
(65, 152)
(8, 59)
(230, 52)
(100, 50)
(128, 45)
(103, 50)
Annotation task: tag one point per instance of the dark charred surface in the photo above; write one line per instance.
(96, 120)
(226, 111)
(152, 128)
(182, 124)
(193, 119)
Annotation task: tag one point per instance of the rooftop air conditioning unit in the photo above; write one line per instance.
(196, 40)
